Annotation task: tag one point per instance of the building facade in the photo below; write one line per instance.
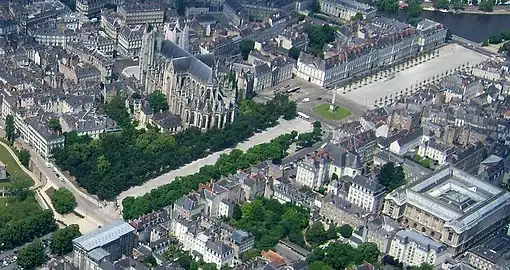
(346, 9)
(414, 249)
(452, 207)
(194, 91)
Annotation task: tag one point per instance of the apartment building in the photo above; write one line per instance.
(365, 193)
(395, 41)
(483, 258)
(130, 41)
(108, 243)
(436, 150)
(141, 14)
(198, 239)
(346, 9)
(313, 171)
(90, 8)
(451, 206)
(414, 249)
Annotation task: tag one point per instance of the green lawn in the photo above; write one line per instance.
(323, 110)
(12, 166)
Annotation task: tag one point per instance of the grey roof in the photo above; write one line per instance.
(183, 61)
(412, 136)
(219, 248)
(104, 235)
(424, 242)
(167, 120)
(239, 236)
(98, 254)
(369, 184)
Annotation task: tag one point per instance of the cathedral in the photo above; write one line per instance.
(194, 90)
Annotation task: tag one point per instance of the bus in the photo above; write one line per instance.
(304, 116)
(292, 90)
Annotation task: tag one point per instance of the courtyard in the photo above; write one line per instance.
(11, 165)
(450, 57)
(338, 113)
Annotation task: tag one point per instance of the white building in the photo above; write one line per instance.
(413, 249)
(211, 251)
(313, 171)
(436, 151)
(408, 142)
(366, 193)
(346, 9)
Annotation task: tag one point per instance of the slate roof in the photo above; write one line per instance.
(424, 242)
(183, 61)
(369, 184)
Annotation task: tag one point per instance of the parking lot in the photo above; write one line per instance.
(450, 57)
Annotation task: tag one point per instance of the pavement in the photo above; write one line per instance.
(316, 95)
(450, 57)
(299, 125)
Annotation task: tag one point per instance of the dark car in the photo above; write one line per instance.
(319, 98)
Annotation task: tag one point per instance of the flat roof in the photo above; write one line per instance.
(104, 235)
(456, 197)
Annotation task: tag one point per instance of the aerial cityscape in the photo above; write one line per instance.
(253, 135)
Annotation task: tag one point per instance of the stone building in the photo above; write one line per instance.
(190, 82)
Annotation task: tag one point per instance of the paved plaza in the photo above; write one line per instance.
(450, 57)
(297, 124)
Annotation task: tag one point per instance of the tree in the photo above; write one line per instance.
(414, 11)
(24, 157)
(32, 255)
(495, 39)
(237, 212)
(250, 254)
(315, 6)
(441, 4)
(316, 235)
(486, 5)
(54, 125)
(63, 201)
(294, 53)
(62, 240)
(390, 7)
(9, 127)
(357, 17)
(423, 266)
(369, 252)
(485, 43)
(246, 46)
(392, 177)
(19, 188)
(150, 262)
(345, 231)
(319, 265)
(158, 102)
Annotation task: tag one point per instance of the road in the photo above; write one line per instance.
(316, 95)
(472, 45)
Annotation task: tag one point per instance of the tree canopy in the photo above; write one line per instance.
(100, 165)
(24, 157)
(345, 231)
(390, 7)
(63, 201)
(486, 5)
(339, 255)
(318, 36)
(9, 128)
(294, 53)
(357, 17)
(158, 102)
(62, 240)
(246, 46)
(19, 188)
(269, 221)
(54, 125)
(392, 176)
(32, 255)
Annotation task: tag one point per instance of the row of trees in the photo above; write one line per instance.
(33, 254)
(269, 221)
(226, 165)
(100, 165)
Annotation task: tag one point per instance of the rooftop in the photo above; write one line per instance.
(457, 197)
(104, 235)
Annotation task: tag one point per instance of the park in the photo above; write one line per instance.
(338, 113)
